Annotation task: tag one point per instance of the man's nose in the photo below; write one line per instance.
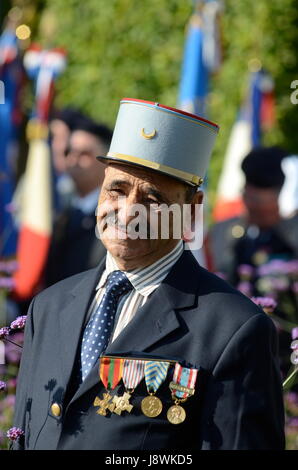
(129, 208)
(72, 159)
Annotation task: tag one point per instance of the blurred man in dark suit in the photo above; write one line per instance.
(261, 233)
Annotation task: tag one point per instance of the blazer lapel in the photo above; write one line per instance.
(73, 317)
(157, 318)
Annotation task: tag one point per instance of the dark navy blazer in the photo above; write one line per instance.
(193, 316)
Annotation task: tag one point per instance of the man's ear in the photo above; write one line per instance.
(188, 232)
(197, 199)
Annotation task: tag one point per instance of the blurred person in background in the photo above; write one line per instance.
(74, 246)
(62, 123)
(258, 252)
(261, 234)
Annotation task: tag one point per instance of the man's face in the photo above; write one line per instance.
(81, 163)
(59, 142)
(125, 186)
(261, 205)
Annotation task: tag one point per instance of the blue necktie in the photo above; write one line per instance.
(100, 326)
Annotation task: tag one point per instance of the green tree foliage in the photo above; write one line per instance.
(266, 31)
(134, 48)
(117, 49)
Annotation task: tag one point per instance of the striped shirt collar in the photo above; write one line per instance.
(145, 280)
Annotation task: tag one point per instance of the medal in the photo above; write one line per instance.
(110, 373)
(155, 374)
(104, 404)
(176, 414)
(151, 406)
(122, 404)
(133, 373)
(182, 387)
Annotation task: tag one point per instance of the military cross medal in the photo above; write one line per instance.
(104, 404)
(133, 373)
(122, 404)
(110, 373)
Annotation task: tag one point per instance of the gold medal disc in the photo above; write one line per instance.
(151, 406)
(176, 414)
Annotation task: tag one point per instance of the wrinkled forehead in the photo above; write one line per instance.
(138, 175)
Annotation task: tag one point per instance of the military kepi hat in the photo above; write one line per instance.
(164, 139)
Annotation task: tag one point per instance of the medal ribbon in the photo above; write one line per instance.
(186, 377)
(133, 373)
(110, 371)
(155, 374)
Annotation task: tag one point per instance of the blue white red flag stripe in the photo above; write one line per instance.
(256, 115)
(186, 377)
(133, 373)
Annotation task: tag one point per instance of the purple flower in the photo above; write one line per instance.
(14, 433)
(271, 268)
(4, 332)
(18, 323)
(292, 397)
(292, 267)
(7, 283)
(10, 400)
(293, 422)
(3, 385)
(276, 267)
(264, 270)
(295, 333)
(8, 266)
(11, 383)
(12, 352)
(267, 303)
(245, 271)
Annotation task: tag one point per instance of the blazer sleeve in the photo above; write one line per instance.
(23, 381)
(243, 405)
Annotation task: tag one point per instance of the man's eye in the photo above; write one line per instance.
(152, 202)
(117, 191)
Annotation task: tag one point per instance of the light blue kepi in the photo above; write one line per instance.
(164, 139)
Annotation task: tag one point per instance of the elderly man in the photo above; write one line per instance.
(149, 350)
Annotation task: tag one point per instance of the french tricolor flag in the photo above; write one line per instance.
(256, 115)
(202, 57)
(36, 206)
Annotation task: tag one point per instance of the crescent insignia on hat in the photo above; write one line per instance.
(148, 136)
